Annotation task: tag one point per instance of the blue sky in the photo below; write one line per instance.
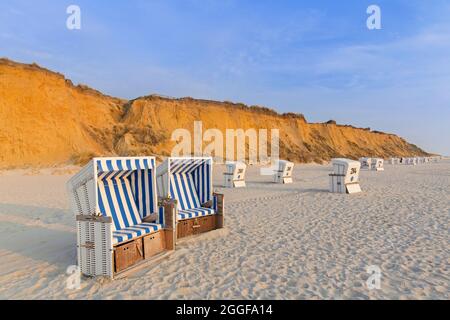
(313, 57)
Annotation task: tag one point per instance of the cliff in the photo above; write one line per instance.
(45, 120)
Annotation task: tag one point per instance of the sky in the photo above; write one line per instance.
(312, 57)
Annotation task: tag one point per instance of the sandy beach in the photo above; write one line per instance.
(293, 241)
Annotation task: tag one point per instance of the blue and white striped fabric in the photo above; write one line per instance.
(194, 213)
(190, 182)
(144, 195)
(202, 179)
(186, 165)
(110, 167)
(126, 234)
(125, 189)
(116, 200)
(183, 189)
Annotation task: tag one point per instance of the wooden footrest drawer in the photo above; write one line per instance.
(154, 244)
(195, 226)
(133, 252)
(128, 254)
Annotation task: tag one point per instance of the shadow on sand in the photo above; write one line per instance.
(56, 247)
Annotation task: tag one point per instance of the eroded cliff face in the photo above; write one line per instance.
(45, 120)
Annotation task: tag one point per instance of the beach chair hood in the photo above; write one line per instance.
(188, 180)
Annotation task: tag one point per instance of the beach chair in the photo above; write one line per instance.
(377, 164)
(188, 181)
(119, 223)
(345, 176)
(423, 160)
(283, 172)
(394, 161)
(411, 161)
(234, 175)
(366, 163)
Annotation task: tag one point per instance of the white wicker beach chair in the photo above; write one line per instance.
(377, 164)
(188, 181)
(283, 172)
(345, 176)
(234, 175)
(411, 161)
(366, 163)
(119, 224)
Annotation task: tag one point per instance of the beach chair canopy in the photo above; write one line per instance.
(125, 190)
(189, 181)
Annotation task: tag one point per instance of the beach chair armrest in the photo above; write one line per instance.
(218, 203)
(167, 210)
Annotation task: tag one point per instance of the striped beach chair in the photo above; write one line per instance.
(119, 223)
(188, 181)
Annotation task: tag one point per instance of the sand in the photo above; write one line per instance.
(281, 241)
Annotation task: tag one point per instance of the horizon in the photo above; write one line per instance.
(318, 60)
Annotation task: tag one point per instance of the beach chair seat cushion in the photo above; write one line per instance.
(138, 230)
(194, 213)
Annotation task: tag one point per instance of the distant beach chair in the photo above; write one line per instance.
(395, 161)
(234, 175)
(366, 163)
(345, 176)
(188, 181)
(118, 221)
(283, 173)
(424, 160)
(411, 161)
(377, 164)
